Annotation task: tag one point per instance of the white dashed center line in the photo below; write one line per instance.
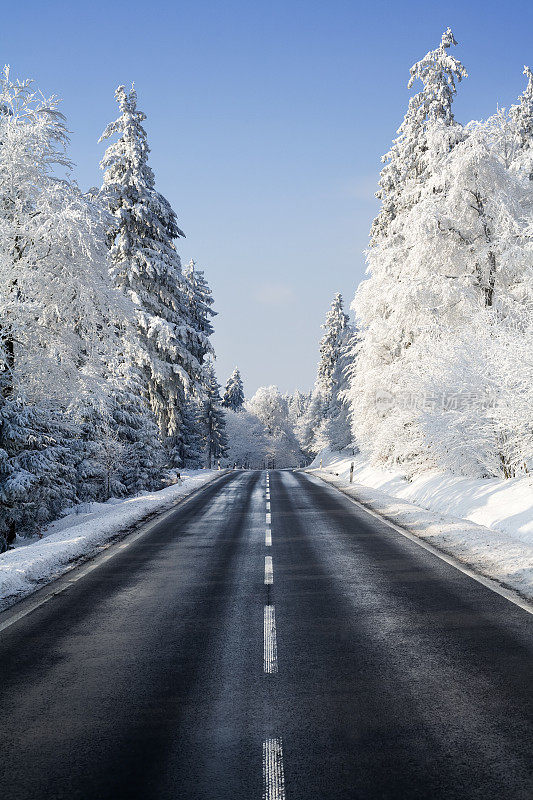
(270, 649)
(273, 776)
(269, 571)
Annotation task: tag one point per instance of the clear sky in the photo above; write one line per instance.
(266, 122)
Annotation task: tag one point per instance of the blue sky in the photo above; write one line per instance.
(266, 122)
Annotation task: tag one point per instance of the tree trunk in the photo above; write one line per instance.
(488, 284)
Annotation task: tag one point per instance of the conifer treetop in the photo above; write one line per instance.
(234, 393)
(522, 116)
(439, 71)
(406, 162)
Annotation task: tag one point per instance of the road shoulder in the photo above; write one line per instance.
(28, 568)
(486, 553)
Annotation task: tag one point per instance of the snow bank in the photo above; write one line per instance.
(80, 535)
(486, 524)
(505, 506)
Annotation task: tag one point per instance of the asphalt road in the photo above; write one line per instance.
(302, 650)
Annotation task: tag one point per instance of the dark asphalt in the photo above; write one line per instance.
(398, 676)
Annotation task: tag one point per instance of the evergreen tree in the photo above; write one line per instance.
(334, 431)
(522, 118)
(142, 456)
(37, 480)
(297, 403)
(461, 252)
(234, 393)
(331, 347)
(385, 302)
(148, 269)
(200, 311)
(191, 451)
(56, 304)
(325, 422)
(214, 422)
(406, 164)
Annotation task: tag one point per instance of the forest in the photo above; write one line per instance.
(107, 369)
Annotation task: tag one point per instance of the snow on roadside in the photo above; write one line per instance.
(505, 506)
(79, 535)
(485, 524)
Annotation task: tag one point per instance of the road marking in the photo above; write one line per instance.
(270, 648)
(268, 518)
(268, 505)
(269, 571)
(268, 537)
(273, 775)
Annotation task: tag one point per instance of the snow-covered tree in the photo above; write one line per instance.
(247, 440)
(325, 421)
(147, 268)
(234, 392)
(271, 408)
(57, 306)
(37, 480)
(190, 445)
(213, 420)
(475, 398)
(522, 118)
(297, 404)
(199, 310)
(131, 420)
(386, 304)
(331, 347)
(406, 166)
(460, 245)
(309, 423)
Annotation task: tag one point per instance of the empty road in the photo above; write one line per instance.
(267, 639)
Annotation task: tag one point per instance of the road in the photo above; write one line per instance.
(268, 639)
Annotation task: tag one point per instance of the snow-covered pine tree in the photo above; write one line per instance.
(200, 311)
(142, 457)
(37, 479)
(56, 303)
(325, 422)
(309, 423)
(99, 453)
(213, 420)
(234, 392)
(521, 116)
(335, 430)
(384, 303)
(333, 342)
(297, 404)
(147, 268)
(190, 445)
(406, 166)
